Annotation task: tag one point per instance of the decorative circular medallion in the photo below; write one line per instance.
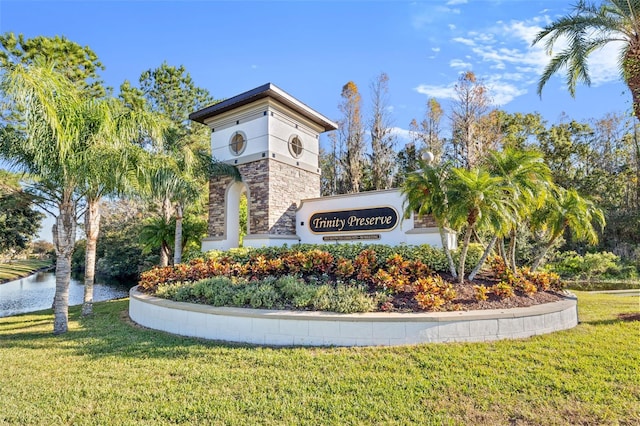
(238, 143)
(295, 146)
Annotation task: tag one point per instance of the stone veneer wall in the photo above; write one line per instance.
(217, 189)
(287, 186)
(256, 176)
(275, 188)
(424, 221)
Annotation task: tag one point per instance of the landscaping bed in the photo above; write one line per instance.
(347, 279)
(466, 297)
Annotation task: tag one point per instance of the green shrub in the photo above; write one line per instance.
(78, 256)
(264, 295)
(342, 299)
(242, 296)
(432, 256)
(503, 290)
(217, 291)
(167, 291)
(183, 293)
(296, 290)
(473, 256)
(321, 300)
(601, 265)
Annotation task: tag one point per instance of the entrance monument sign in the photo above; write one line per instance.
(377, 218)
(273, 140)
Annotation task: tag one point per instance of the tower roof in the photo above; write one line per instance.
(268, 90)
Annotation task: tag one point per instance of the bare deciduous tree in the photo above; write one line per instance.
(428, 130)
(352, 134)
(382, 138)
(471, 105)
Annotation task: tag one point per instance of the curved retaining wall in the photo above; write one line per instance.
(303, 328)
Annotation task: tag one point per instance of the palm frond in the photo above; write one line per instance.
(587, 28)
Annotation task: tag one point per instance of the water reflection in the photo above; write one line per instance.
(36, 292)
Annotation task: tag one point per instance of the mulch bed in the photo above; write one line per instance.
(466, 298)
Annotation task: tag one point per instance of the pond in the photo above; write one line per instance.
(36, 292)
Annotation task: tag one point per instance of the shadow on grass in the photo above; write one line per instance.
(34, 321)
(103, 334)
(622, 317)
(110, 333)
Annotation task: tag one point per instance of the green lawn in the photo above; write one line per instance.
(603, 285)
(106, 371)
(21, 268)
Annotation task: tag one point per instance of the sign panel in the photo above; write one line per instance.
(351, 237)
(373, 219)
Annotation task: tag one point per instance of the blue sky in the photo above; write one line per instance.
(312, 48)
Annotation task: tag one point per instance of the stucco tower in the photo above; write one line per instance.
(273, 139)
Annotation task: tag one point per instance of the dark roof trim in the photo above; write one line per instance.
(268, 90)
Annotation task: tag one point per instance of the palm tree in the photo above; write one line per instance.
(568, 210)
(183, 167)
(157, 232)
(195, 165)
(172, 189)
(529, 181)
(75, 145)
(190, 191)
(425, 193)
(113, 168)
(185, 149)
(164, 185)
(477, 200)
(588, 28)
(53, 147)
(185, 194)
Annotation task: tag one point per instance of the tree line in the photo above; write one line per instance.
(598, 159)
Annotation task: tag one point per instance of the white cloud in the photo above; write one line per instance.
(459, 63)
(466, 41)
(451, 27)
(502, 56)
(454, 2)
(603, 64)
(440, 92)
(513, 76)
(481, 37)
(428, 15)
(444, 10)
(403, 135)
(435, 49)
(502, 92)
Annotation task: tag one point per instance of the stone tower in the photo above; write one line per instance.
(273, 140)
